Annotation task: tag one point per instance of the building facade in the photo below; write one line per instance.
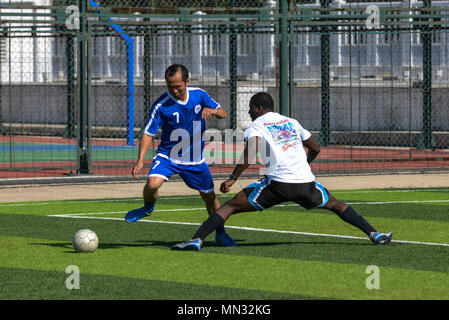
(41, 57)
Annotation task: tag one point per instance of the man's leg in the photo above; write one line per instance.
(349, 215)
(212, 205)
(150, 194)
(150, 191)
(237, 204)
(161, 170)
(211, 201)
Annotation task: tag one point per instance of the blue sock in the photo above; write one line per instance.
(149, 206)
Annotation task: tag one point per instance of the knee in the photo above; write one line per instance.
(336, 205)
(210, 198)
(227, 209)
(153, 185)
(238, 204)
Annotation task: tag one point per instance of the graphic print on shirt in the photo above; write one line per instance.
(283, 132)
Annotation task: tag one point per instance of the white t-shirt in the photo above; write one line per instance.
(281, 148)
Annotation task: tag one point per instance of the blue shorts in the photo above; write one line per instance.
(195, 176)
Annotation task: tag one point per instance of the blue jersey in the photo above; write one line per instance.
(182, 125)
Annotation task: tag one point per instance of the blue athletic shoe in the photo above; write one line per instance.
(381, 238)
(192, 245)
(137, 214)
(224, 240)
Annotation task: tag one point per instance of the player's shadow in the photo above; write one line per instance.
(159, 243)
(211, 244)
(170, 244)
(266, 244)
(241, 243)
(101, 246)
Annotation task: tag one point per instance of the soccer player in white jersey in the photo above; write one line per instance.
(180, 113)
(289, 177)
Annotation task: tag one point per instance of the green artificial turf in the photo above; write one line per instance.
(310, 262)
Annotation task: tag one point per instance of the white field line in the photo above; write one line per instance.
(102, 200)
(218, 196)
(112, 212)
(279, 205)
(389, 191)
(78, 216)
(177, 198)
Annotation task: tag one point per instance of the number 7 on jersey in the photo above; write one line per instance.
(176, 114)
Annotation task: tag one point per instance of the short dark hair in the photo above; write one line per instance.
(175, 68)
(262, 99)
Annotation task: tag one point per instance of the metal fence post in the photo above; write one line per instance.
(283, 58)
(69, 131)
(233, 73)
(291, 64)
(325, 135)
(426, 138)
(84, 155)
(147, 46)
(1, 95)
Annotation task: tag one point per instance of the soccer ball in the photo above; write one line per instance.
(85, 240)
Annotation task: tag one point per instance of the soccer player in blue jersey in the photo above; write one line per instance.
(180, 113)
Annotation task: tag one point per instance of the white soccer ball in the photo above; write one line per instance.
(85, 240)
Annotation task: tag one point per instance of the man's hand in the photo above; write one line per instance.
(136, 169)
(207, 113)
(226, 185)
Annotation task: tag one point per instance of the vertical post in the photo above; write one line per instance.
(2, 34)
(83, 70)
(325, 135)
(426, 139)
(129, 76)
(291, 64)
(130, 89)
(283, 58)
(147, 46)
(233, 72)
(69, 131)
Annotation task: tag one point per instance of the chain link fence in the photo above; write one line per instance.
(78, 79)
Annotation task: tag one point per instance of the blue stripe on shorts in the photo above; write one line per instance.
(324, 193)
(258, 187)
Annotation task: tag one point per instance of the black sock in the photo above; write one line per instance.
(209, 226)
(220, 230)
(352, 217)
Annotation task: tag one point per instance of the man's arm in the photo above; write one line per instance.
(314, 149)
(144, 145)
(219, 112)
(249, 157)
